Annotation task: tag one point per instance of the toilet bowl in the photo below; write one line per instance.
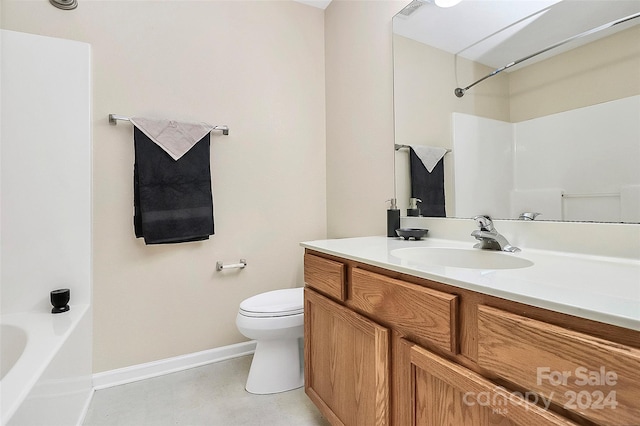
(275, 320)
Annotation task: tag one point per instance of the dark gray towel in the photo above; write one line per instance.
(429, 187)
(172, 199)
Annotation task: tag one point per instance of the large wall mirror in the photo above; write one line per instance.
(555, 132)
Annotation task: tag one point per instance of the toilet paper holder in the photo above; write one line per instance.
(220, 265)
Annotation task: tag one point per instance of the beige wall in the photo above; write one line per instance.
(255, 66)
(259, 67)
(601, 71)
(359, 80)
(424, 99)
(425, 78)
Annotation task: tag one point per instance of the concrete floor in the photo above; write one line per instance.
(212, 395)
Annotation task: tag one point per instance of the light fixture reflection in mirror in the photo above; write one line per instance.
(575, 114)
(447, 3)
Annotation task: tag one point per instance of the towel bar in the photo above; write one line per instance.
(593, 195)
(113, 120)
(399, 147)
(220, 266)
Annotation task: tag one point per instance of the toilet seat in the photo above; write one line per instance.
(276, 303)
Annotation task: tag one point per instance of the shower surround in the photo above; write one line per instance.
(45, 234)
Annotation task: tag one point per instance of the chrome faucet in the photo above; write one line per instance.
(489, 238)
(528, 215)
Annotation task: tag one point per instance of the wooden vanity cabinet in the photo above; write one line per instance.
(383, 348)
(346, 363)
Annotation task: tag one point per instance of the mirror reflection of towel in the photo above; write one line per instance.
(429, 187)
(429, 155)
(173, 202)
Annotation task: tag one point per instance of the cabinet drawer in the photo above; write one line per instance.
(445, 393)
(596, 378)
(324, 275)
(413, 310)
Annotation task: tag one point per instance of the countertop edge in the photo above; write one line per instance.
(573, 310)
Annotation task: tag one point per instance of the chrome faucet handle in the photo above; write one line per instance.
(528, 215)
(484, 222)
(489, 237)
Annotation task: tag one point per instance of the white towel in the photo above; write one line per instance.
(175, 138)
(630, 203)
(429, 155)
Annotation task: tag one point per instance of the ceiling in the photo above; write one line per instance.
(484, 30)
(320, 4)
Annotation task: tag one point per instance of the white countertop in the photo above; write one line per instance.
(605, 289)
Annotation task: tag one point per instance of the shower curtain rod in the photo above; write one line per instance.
(459, 92)
(113, 120)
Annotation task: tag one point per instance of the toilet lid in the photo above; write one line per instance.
(277, 303)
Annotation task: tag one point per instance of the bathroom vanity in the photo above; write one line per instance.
(392, 338)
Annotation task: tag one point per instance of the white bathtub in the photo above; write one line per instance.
(12, 342)
(46, 367)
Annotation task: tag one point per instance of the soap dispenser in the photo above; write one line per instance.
(393, 218)
(413, 209)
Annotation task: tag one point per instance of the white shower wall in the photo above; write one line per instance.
(45, 224)
(45, 171)
(588, 154)
(483, 166)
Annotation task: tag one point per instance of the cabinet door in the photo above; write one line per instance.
(346, 363)
(445, 393)
(593, 377)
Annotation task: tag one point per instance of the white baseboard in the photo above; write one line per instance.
(147, 370)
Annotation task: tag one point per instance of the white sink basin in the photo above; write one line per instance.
(462, 258)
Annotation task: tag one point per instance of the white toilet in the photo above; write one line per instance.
(275, 320)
